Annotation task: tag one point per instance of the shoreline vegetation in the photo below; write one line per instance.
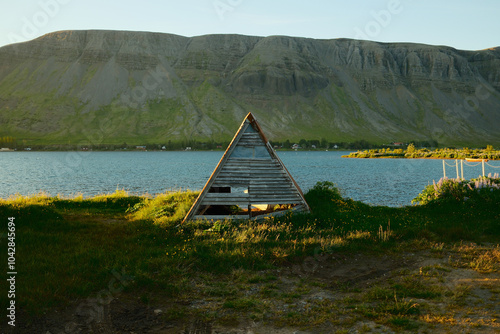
(181, 145)
(365, 148)
(13, 144)
(411, 152)
(122, 263)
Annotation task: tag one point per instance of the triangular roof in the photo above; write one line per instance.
(249, 177)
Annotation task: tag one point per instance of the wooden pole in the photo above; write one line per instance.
(444, 169)
(456, 165)
(483, 166)
(462, 168)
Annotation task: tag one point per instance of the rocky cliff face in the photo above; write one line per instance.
(138, 87)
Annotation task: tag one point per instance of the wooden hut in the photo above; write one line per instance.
(250, 181)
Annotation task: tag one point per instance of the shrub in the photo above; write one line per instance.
(460, 190)
(324, 191)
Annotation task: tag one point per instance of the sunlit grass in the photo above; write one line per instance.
(480, 259)
(164, 209)
(19, 200)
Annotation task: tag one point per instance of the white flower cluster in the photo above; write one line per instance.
(487, 182)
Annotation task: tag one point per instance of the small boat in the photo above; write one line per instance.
(475, 160)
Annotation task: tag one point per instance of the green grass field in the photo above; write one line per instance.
(82, 262)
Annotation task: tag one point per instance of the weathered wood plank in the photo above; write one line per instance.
(256, 176)
(253, 161)
(275, 185)
(273, 196)
(254, 173)
(281, 193)
(251, 181)
(249, 161)
(269, 190)
(246, 140)
(252, 168)
(275, 202)
(251, 200)
(268, 181)
(251, 139)
(272, 201)
(257, 179)
(226, 173)
(235, 175)
(231, 184)
(251, 145)
(231, 196)
(225, 202)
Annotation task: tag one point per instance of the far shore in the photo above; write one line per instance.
(486, 154)
(418, 158)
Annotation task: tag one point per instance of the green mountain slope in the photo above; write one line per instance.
(110, 87)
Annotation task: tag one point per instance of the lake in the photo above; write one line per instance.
(391, 182)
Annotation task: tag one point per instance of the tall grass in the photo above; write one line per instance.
(164, 209)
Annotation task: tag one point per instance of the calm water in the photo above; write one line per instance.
(392, 182)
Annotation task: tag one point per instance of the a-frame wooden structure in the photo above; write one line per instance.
(250, 181)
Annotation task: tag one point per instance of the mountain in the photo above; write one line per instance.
(105, 87)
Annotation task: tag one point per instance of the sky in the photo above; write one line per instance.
(462, 24)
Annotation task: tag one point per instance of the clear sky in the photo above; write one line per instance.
(462, 24)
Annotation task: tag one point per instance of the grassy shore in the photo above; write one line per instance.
(411, 152)
(120, 263)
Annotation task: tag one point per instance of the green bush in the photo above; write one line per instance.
(322, 192)
(482, 188)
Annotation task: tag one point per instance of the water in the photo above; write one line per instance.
(391, 182)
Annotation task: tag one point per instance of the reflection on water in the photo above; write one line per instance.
(391, 182)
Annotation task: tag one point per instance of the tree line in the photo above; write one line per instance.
(7, 142)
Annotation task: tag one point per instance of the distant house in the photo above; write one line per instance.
(140, 148)
(295, 146)
(397, 144)
(188, 148)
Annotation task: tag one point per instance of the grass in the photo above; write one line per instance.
(70, 249)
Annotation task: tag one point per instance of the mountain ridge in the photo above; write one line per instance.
(154, 87)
